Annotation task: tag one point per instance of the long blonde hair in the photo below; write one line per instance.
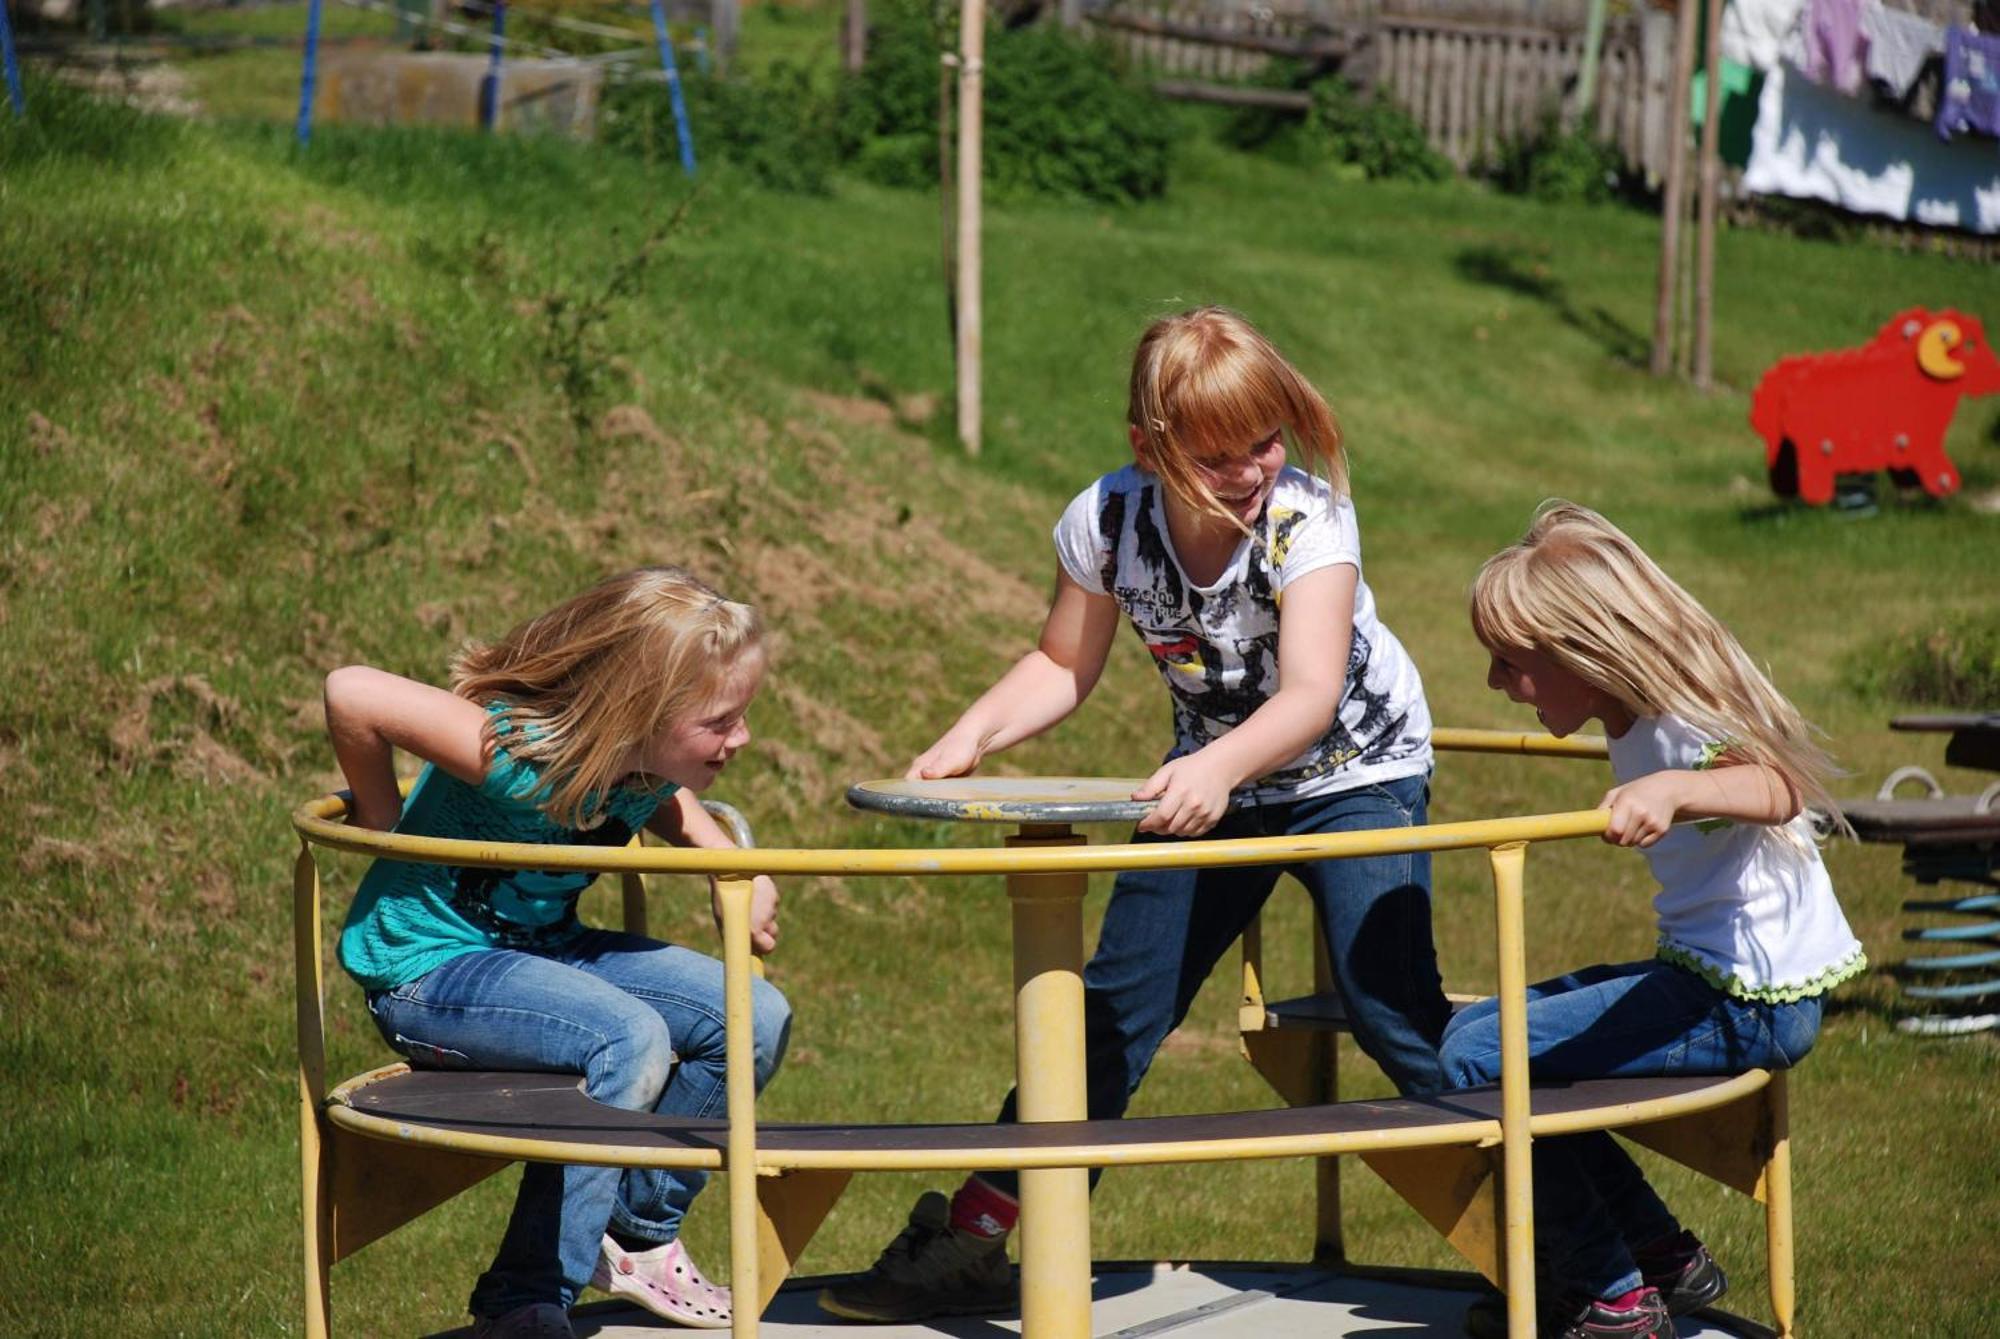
(1207, 384)
(604, 671)
(1578, 590)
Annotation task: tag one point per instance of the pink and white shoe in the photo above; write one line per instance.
(663, 1280)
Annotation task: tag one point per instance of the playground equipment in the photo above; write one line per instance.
(1883, 406)
(1946, 839)
(384, 1147)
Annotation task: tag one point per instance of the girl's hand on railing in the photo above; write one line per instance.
(763, 914)
(1642, 810)
(763, 911)
(1193, 796)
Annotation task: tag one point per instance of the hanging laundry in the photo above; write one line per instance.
(1758, 33)
(1899, 45)
(1812, 143)
(1971, 100)
(1833, 53)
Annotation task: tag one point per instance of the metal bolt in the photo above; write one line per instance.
(1826, 447)
(1910, 328)
(1902, 441)
(1944, 481)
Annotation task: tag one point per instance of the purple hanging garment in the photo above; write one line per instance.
(1835, 47)
(1970, 100)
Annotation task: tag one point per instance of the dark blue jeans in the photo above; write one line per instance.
(1593, 1207)
(641, 1021)
(1164, 931)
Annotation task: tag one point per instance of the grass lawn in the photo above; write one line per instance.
(263, 413)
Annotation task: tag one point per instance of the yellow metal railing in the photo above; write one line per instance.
(1057, 871)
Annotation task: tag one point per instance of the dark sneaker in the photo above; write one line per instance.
(929, 1270)
(1686, 1276)
(1573, 1318)
(1639, 1314)
(537, 1320)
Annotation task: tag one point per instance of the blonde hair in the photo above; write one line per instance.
(1207, 384)
(1577, 589)
(603, 672)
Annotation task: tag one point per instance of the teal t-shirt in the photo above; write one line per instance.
(408, 917)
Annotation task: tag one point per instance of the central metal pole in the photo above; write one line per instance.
(1050, 1085)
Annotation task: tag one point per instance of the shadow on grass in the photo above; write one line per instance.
(1501, 267)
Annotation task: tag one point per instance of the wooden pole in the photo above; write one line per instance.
(854, 36)
(1672, 201)
(1586, 79)
(971, 72)
(1711, 171)
(947, 204)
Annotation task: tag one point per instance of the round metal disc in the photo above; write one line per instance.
(1006, 799)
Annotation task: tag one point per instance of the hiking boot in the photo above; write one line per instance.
(1685, 1274)
(931, 1269)
(665, 1281)
(537, 1320)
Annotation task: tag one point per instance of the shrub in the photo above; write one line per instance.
(1062, 117)
(1955, 663)
(1372, 133)
(1561, 166)
(778, 127)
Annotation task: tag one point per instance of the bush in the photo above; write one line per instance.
(1372, 133)
(1562, 167)
(1062, 116)
(1952, 664)
(778, 127)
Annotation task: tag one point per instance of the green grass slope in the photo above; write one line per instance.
(264, 412)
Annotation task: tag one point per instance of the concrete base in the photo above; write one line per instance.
(1194, 1301)
(382, 88)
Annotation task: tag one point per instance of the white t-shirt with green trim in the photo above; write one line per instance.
(1748, 907)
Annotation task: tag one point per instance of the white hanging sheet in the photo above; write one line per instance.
(1813, 143)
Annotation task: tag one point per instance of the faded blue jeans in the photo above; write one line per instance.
(1593, 1207)
(1164, 930)
(642, 1022)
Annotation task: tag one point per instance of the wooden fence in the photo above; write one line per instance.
(1475, 85)
(1473, 73)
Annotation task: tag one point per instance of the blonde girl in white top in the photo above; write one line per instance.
(1714, 769)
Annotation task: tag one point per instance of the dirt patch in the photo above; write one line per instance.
(853, 409)
(631, 420)
(832, 730)
(197, 754)
(46, 438)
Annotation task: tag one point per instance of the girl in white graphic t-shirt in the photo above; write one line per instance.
(1714, 769)
(1295, 711)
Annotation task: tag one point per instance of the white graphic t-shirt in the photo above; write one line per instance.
(1216, 646)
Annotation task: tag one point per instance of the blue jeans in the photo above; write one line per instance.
(642, 1022)
(1164, 931)
(1593, 1207)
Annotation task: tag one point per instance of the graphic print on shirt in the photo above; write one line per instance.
(507, 903)
(1217, 680)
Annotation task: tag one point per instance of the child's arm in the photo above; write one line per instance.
(1315, 629)
(1734, 788)
(1041, 689)
(681, 821)
(370, 713)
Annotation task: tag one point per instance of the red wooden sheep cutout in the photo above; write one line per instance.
(1883, 406)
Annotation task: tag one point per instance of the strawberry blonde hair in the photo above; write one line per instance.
(586, 682)
(1577, 589)
(1207, 384)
